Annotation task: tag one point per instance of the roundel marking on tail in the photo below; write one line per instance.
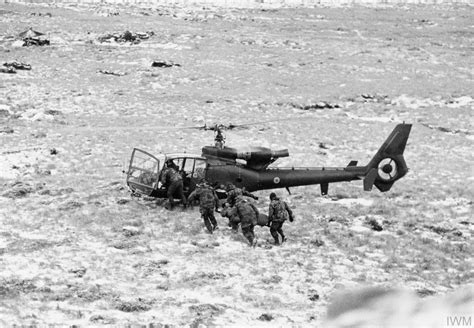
(387, 169)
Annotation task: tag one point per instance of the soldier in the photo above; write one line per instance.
(278, 213)
(208, 201)
(247, 213)
(230, 212)
(173, 181)
(233, 192)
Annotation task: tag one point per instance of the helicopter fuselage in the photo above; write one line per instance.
(272, 178)
(220, 166)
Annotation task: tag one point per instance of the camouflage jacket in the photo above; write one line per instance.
(206, 195)
(236, 192)
(170, 175)
(230, 213)
(247, 212)
(279, 211)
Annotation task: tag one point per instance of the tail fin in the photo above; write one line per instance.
(388, 165)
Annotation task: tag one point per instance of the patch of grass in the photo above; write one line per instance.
(423, 292)
(179, 226)
(348, 240)
(207, 310)
(202, 279)
(274, 279)
(391, 263)
(124, 244)
(318, 242)
(70, 205)
(138, 305)
(94, 293)
(30, 245)
(197, 228)
(457, 249)
(14, 287)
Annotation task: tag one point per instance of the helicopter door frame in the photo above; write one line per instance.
(147, 179)
(190, 165)
(199, 171)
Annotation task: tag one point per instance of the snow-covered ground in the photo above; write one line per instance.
(76, 249)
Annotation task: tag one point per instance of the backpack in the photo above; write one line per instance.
(206, 198)
(279, 211)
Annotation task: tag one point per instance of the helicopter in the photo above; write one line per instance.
(220, 165)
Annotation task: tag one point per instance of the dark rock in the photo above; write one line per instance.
(52, 112)
(318, 242)
(265, 317)
(314, 297)
(107, 72)
(18, 65)
(6, 130)
(79, 272)
(130, 231)
(163, 64)
(339, 219)
(53, 151)
(39, 135)
(28, 42)
(440, 230)
(18, 190)
(71, 205)
(7, 70)
(41, 171)
(423, 292)
(374, 224)
(97, 318)
(127, 36)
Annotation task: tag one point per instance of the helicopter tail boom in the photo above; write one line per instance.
(388, 165)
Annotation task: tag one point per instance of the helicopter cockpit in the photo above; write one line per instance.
(145, 170)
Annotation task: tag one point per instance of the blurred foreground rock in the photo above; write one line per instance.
(378, 307)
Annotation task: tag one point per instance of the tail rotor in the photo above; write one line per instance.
(388, 165)
(387, 169)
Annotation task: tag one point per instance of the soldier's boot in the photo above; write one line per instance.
(185, 203)
(214, 223)
(251, 241)
(170, 203)
(208, 226)
(275, 236)
(283, 239)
